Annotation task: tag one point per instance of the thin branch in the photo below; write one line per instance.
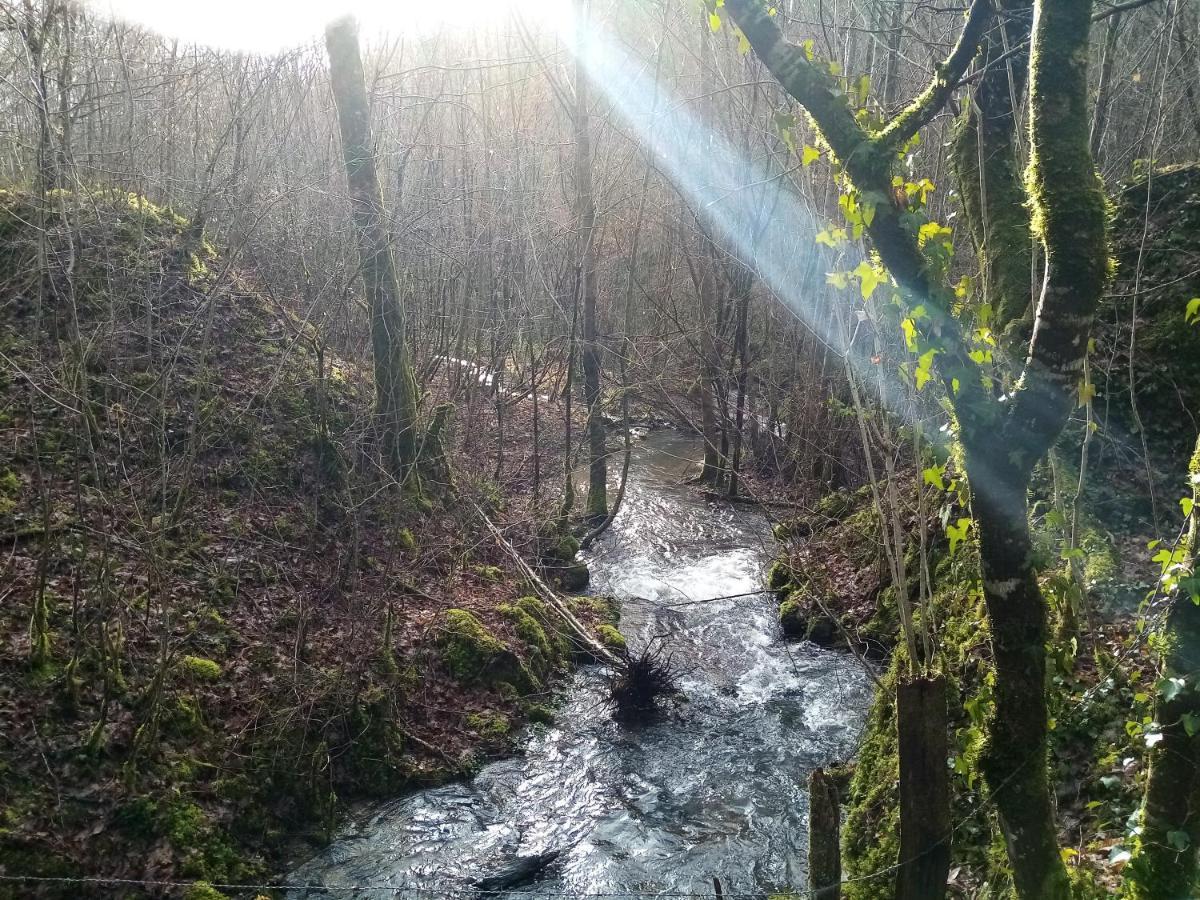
(946, 79)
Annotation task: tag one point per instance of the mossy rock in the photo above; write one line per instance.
(781, 577)
(571, 578)
(202, 890)
(611, 637)
(489, 573)
(792, 618)
(489, 725)
(534, 626)
(566, 548)
(200, 668)
(802, 619)
(539, 714)
(791, 529)
(836, 505)
(473, 655)
(606, 609)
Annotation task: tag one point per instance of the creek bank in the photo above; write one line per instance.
(833, 588)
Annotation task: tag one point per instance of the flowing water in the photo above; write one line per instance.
(715, 788)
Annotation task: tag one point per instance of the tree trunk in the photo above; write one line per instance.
(585, 211)
(710, 301)
(395, 386)
(741, 378)
(1015, 760)
(1164, 862)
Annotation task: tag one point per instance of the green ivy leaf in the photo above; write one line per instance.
(714, 22)
(1187, 504)
(1170, 688)
(933, 476)
(1192, 313)
(1179, 840)
(924, 368)
(868, 278)
(958, 533)
(809, 155)
(861, 88)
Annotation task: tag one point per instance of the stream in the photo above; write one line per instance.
(715, 788)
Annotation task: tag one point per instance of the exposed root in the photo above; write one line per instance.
(647, 678)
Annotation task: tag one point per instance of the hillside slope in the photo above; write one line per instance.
(220, 621)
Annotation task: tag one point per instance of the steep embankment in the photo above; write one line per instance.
(836, 587)
(219, 620)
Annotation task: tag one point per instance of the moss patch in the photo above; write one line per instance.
(200, 668)
(611, 637)
(471, 653)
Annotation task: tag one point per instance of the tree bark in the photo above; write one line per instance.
(596, 508)
(395, 386)
(988, 170)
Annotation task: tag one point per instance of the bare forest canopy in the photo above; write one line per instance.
(696, 150)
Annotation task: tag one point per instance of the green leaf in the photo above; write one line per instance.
(931, 231)
(861, 88)
(714, 22)
(809, 155)
(743, 46)
(839, 280)
(910, 334)
(1187, 504)
(1191, 723)
(808, 49)
(1180, 840)
(1192, 313)
(933, 476)
(868, 278)
(958, 533)
(1170, 688)
(924, 368)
